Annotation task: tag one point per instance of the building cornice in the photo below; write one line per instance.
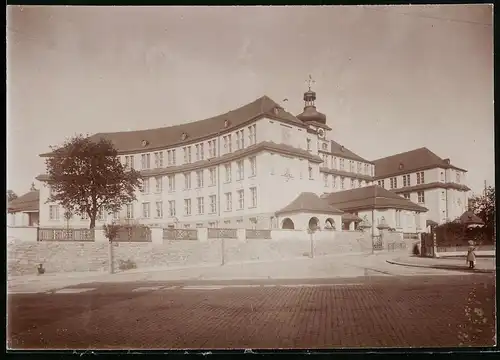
(262, 146)
(345, 173)
(433, 185)
(428, 167)
(345, 156)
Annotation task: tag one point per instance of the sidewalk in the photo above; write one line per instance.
(298, 268)
(483, 265)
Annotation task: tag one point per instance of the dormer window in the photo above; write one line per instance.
(145, 143)
(226, 123)
(276, 110)
(401, 166)
(184, 136)
(342, 148)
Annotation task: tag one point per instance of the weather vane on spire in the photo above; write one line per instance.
(310, 81)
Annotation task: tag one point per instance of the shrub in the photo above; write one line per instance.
(126, 264)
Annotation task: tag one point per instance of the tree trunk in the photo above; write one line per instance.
(92, 222)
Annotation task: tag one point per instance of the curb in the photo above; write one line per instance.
(443, 267)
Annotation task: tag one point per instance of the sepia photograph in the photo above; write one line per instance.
(208, 178)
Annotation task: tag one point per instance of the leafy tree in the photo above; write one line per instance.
(87, 177)
(484, 206)
(11, 195)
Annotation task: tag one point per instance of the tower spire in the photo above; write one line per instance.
(310, 81)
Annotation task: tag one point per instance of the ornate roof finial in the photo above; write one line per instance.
(310, 81)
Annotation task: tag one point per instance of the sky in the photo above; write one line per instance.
(389, 78)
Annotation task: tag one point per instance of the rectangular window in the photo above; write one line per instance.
(359, 168)
(171, 183)
(443, 196)
(421, 197)
(100, 215)
(366, 169)
(197, 147)
(130, 211)
(241, 199)
(199, 179)
(213, 176)
(213, 204)
(325, 179)
(229, 201)
(406, 196)
(211, 224)
(145, 161)
(145, 210)
(84, 216)
(228, 172)
(240, 174)
(309, 145)
(334, 163)
(252, 138)
(159, 209)
(253, 166)
(381, 183)
(352, 184)
(359, 183)
(187, 207)
(159, 184)
(310, 169)
(334, 182)
(159, 159)
(129, 162)
(171, 157)
(406, 180)
(394, 183)
(54, 212)
(253, 194)
(187, 181)
(342, 182)
(458, 177)
(398, 218)
(116, 215)
(212, 152)
(171, 208)
(341, 161)
(420, 178)
(201, 205)
(145, 186)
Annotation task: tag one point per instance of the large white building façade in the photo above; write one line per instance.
(256, 166)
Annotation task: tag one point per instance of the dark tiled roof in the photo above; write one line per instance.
(346, 174)
(161, 138)
(432, 185)
(26, 202)
(309, 202)
(410, 161)
(469, 218)
(265, 145)
(340, 150)
(431, 223)
(370, 197)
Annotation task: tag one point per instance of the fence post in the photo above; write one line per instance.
(110, 257)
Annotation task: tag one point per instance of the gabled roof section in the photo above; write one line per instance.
(469, 218)
(410, 161)
(370, 197)
(187, 133)
(26, 202)
(309, 202)
(340, 150)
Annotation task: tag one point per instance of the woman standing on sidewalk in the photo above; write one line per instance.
(471, 256)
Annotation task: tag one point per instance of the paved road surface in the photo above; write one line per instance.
(377, 310)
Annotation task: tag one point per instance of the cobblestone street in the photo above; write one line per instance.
(418, 311)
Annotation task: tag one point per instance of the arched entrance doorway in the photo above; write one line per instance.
(314, 223)
(288, 224)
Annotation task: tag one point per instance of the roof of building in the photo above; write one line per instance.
(161, 138)
(342, 151)
(469, 218)
(309, 202)
(410, 161)
(370, 197)
(27, 202)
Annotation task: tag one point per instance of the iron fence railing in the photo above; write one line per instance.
(47, 234)
(257, 234)
(180, 234)
(133, 234)
(216, 233)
